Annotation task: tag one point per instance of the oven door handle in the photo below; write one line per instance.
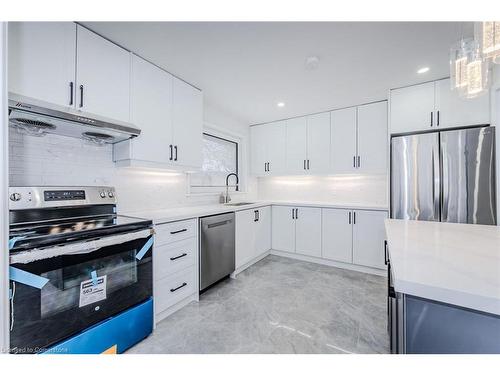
(83, 247)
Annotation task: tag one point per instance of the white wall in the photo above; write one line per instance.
(56, 160)
(340, 189)
(4, 225)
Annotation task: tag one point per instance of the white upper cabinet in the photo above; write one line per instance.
(336, 234)
(187, 122)
(308, 231)
(454, 111)
(268, 144)
(368, 238)
(318, 143)
(412, 108)
(151, 111)
(258, 144)
(102, 76)
(42, 61)
(296, 147)
(343, 140)
(372, 138)
(432, 106)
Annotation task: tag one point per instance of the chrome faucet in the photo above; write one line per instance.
(227, 198)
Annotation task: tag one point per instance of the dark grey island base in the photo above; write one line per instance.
(422, 326)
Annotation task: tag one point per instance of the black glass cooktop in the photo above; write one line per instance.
(52, 232)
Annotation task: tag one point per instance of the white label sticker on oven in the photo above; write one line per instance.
(90, 292)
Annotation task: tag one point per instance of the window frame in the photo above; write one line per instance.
(225, 135)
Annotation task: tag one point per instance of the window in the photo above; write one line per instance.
(220, 157)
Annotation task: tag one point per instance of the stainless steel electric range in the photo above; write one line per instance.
(80, 275)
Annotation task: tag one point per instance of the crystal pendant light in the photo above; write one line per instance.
(488, 36)
(468, 70)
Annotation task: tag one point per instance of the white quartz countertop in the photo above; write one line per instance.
(189, 212)
(457, 264)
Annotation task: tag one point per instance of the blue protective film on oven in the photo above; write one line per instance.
(93, 274)
(145, 249)
(13, 241)
(23, 277)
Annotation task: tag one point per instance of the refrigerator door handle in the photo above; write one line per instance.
(436, 183)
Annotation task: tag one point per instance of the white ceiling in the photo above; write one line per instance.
(246, 68)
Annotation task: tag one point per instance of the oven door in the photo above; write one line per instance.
(84, 288)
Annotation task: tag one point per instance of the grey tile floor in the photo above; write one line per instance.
(280, 305)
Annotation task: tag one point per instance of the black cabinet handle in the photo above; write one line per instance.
(171, 152)
(432, 119)
(175, 158)
(179, 256)
(293, 213)
(269, 166)
(71, 93)
(304, 164)
(354, 161)
(349, 217)
(437, 118)
(179, 231)
(180, 286)
(354, 217)
(256, 215)
(81, 96)
(307, 164)
(359, 161)
(296, 213)
(386, 260)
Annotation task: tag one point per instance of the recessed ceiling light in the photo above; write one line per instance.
(312, 62)
(280, 104)
(425, 69)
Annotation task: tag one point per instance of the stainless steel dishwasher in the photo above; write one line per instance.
(216, 248)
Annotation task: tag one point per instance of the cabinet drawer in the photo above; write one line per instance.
(176, 231)
(172, 289)
(174, 257)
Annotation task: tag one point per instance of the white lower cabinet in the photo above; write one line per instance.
(368, 236)
(308, 231)
(253, 234)
(297, 230)
(336, 234)
(175, 264)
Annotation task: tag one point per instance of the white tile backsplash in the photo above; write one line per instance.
(340, 189)
(58, 160)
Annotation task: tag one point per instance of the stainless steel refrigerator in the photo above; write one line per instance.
(446, 176)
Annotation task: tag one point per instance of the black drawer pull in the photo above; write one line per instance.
(180, 286)
(179, 231)
(179, 256)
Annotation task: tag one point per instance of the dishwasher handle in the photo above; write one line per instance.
(213, 225)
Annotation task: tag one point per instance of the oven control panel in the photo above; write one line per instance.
(24, 197)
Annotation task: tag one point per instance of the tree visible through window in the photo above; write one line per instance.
(220, 157)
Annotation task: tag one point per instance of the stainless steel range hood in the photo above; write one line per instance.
(39, 118)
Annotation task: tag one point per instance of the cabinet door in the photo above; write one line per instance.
(263, 231)
(412, 108)
(151, 111)
(187, 124)
(372, 138)
(455, 111)
(296, 152)
(368, 238)
(244, 237)
(343, 140)
(336, 235)
(283, 237)
(318, 143)
(308, 231)
(42, 60)
(103, 69)
(258, 146)
(276, 147)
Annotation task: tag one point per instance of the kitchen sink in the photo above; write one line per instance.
(239, 203)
